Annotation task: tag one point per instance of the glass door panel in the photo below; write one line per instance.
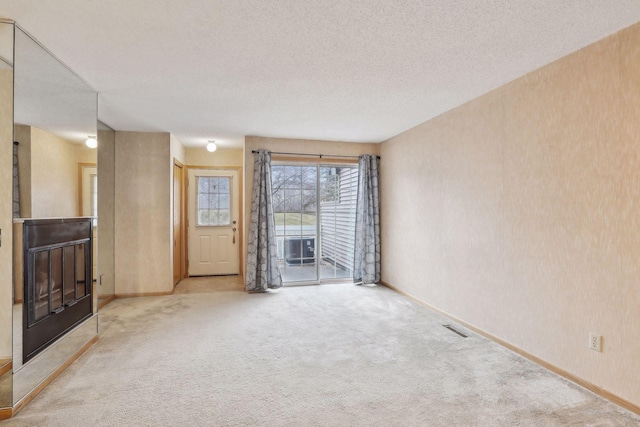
(308, 223)
(69, 277)
(338, 192)
(56, 279)
(81, 284)
(292, 271)
(294, 204)
(40, 297)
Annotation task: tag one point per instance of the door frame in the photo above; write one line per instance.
(81, 167)
(240, 207)
(183, 218)
(95, 268)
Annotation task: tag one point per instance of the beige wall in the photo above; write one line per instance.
(54, 176)
(85, 154)
(302, 146)
(106, 212)
(221, 157)
(6, 191)
(518, 213)
(177, 152)
(143, 261)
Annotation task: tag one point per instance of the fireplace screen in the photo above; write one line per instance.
(57, 279)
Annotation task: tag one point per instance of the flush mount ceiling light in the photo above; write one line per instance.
(211, 146)
(91, 142)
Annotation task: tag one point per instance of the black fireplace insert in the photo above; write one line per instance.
(57, 279)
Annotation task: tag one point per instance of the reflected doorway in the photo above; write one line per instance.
(179, 255)
(314, 209)
(89, 206)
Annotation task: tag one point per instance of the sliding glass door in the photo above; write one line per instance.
(295, 207)
(314, 208)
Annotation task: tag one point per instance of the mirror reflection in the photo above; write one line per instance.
(106, 203)
(56, 177)
(54, 114)
(6, 159)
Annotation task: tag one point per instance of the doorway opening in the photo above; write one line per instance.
(315, 212)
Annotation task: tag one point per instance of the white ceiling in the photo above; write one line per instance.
(352, 70)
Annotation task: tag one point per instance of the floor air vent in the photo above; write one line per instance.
(452, 329)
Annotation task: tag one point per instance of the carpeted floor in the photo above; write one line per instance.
(331, 355)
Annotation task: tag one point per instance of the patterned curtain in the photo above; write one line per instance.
(262, 258)
(367, 243)
(16, 183)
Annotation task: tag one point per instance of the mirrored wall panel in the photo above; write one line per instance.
(55, 112)
(6, 195)
(106, 214)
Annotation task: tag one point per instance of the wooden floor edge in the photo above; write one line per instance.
(33, 393)
(144, 294)
(106, 301)
(5, 413)
(6, 366)
(571, 377)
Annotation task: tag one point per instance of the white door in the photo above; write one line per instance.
(213, 222)
(90, 206)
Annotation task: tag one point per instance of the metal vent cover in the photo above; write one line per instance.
(453, 329)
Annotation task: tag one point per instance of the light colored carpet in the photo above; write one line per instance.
(331, 355)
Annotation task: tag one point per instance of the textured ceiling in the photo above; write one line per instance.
(362, 70)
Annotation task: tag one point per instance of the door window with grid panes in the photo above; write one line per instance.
(214, 201)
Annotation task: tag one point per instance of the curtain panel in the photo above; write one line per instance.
(262, 259)
(367, 239)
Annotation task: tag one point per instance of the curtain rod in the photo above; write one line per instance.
(312, 155)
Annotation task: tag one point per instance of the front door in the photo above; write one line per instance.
(213, 222)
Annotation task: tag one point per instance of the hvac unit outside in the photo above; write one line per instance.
(300, 250)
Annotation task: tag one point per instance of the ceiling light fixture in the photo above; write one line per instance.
(91, 142)
(211, 146)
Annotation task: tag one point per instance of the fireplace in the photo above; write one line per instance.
(57, 279)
